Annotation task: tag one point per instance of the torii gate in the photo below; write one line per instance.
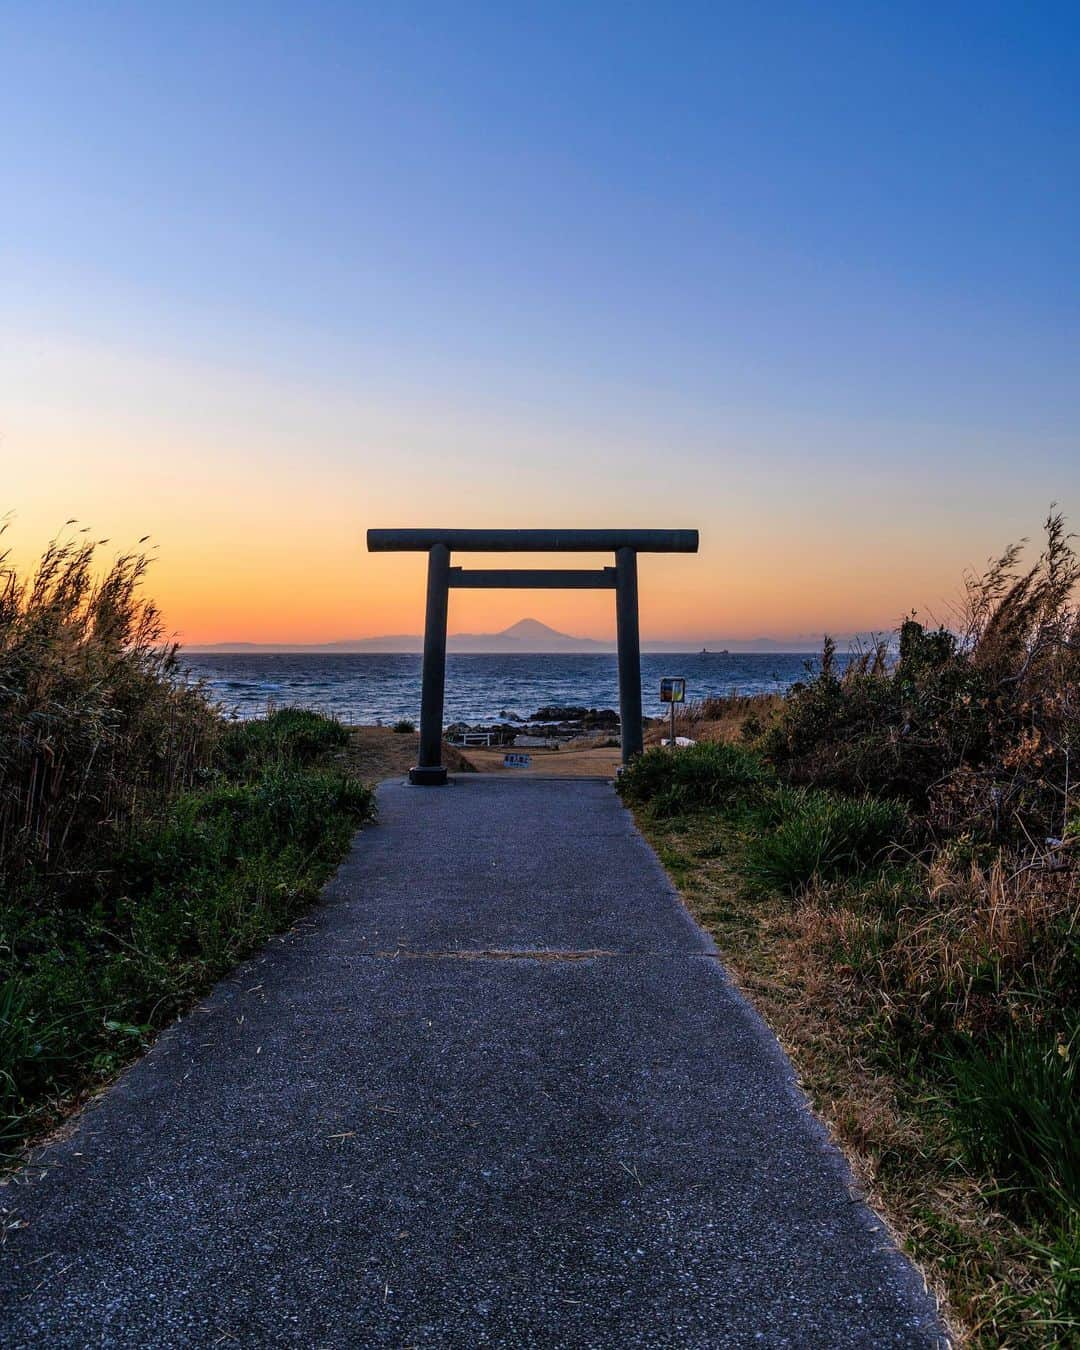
(622, 579)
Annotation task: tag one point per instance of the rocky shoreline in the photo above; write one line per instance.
(554, 725)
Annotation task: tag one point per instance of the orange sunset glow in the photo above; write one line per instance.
(539, 667)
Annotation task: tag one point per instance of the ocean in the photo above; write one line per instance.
(367, 689)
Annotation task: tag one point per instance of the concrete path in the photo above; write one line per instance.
(497, 1091)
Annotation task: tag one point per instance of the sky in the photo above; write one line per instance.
(803, 277)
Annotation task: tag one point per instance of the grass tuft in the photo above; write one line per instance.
(818, 836)
(691, 778)
(1015, 1106)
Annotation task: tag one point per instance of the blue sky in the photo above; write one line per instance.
(804, 268)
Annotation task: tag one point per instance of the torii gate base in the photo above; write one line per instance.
(622, 578)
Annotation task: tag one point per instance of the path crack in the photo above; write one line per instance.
(500, 954)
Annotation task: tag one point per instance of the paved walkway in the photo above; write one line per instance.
(497, 1091)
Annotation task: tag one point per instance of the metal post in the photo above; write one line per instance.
(626, 622)
(429, 771)
(673, 724)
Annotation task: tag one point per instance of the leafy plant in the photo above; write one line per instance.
(703, 775)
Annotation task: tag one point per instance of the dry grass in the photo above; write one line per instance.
(973, 1255)
(94, 730)
(1001, 914)
(375, 753)
(732, 718)
(572, 760)
(972, 946)
(843, 976)
(926, 990)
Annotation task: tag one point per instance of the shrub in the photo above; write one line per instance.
(976, 726)
(821, 837)
(288, 738)
(707, 774)
(403, 726)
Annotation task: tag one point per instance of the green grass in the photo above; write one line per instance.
(1015, 1106)
(93, 970)
(289, 737)
(820, 836)
(703, 775)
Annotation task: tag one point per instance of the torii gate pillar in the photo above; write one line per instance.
(622, 578)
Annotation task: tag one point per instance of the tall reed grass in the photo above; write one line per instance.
(146, 845)
(977, 725)
(95, 730)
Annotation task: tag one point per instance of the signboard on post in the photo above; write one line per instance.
(512, 761)
(672, 691)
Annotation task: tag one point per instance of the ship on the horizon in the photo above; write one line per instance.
(723, 652)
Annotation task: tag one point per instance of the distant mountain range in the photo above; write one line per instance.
(527, 635)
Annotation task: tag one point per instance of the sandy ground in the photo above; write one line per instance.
(564, 763)
(376, 753)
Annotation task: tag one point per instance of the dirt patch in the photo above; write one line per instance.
(375, 753)
(499, 954)
(565, 763)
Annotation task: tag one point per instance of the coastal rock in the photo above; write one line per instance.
(580, 718)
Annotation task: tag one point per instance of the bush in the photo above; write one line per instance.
(974, 727)
(403, 726)
(821, 837)
(704, 775)
(288, 738)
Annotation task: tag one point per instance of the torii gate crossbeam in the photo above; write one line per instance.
(622, 578)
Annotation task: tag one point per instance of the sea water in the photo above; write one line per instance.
(367, 689)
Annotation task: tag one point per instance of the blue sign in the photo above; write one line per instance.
(672, 689)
